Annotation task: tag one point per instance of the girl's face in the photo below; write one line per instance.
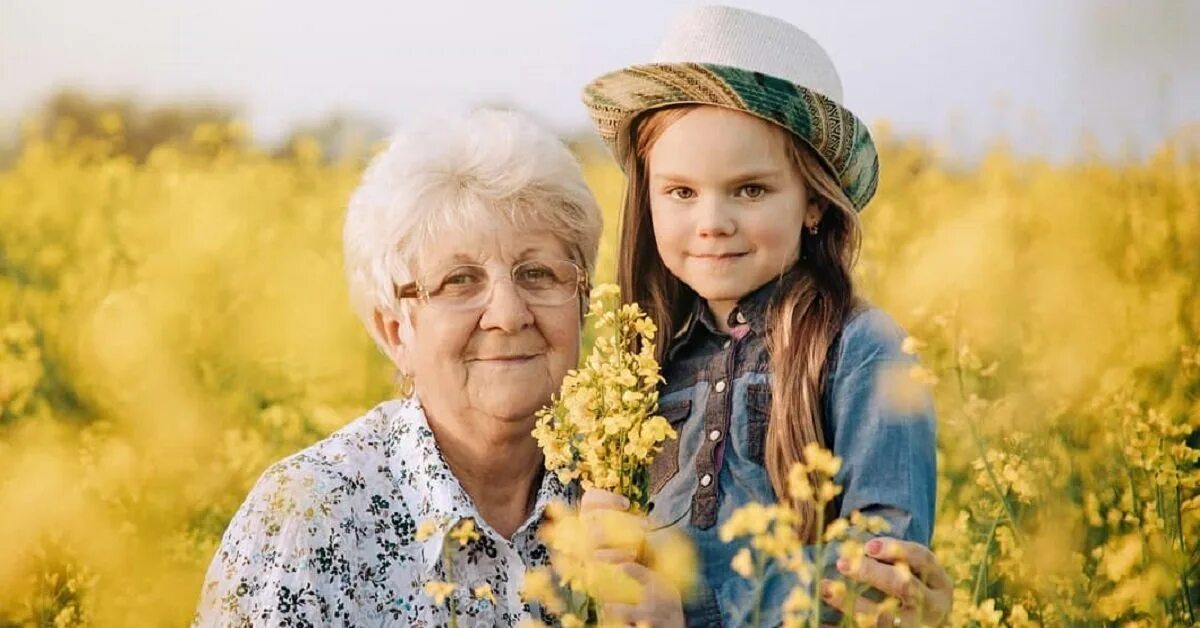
(727, 203)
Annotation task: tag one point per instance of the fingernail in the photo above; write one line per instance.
(843, 565)
(873, 546)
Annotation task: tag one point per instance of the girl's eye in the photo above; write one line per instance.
(682, 194)
(752, 190)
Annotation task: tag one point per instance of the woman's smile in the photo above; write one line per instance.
(509, 360)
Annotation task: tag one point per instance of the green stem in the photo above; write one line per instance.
(759, 569)
(820, 551)
(1158, 510)
(987, 466)
(980, 574)
(619, 347)
(588, 613)
(1137, 508)
(1183, 576)
(851, 602)
(449, 562)
(1001, 494)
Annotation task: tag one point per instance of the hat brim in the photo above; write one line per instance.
(835, 134)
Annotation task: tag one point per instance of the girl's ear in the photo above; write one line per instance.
(813, 213)
(388, 326)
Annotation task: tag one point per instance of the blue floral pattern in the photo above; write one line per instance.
(329, 537)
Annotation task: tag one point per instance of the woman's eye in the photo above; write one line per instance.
(752, 190)
(460, 278)
(536, 273)
(683, 194)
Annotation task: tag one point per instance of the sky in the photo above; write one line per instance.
(961, 73)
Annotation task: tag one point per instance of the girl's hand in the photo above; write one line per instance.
(924, 589)
(660, 605)
(600, 499)
(618, 536)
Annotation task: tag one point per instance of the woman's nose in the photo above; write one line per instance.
(506, 309)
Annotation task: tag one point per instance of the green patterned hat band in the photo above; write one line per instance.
(835, 134)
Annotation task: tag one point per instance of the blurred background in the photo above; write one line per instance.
(173, 317)
(1051, 79)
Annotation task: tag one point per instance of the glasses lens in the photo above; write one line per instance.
(460, 285)
(547, 282)
(539, 282)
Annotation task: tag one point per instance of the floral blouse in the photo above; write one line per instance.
(370, 528)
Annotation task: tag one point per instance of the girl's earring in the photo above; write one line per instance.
(813, 229)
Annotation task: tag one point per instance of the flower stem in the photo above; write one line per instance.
(1183, 575)
(981, 573)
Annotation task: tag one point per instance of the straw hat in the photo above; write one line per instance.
(749, 62)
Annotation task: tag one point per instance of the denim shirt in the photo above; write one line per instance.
(717, 396)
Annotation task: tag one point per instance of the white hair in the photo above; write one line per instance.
(476, 171)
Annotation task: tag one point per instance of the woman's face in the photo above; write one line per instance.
(503, 359)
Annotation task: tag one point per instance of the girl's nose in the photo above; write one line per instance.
(713, 219)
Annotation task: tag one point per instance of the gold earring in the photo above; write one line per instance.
(404, 384)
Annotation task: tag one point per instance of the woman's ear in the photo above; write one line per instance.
(388, 327)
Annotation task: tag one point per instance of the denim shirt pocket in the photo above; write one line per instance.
(666, 463)
(758, 415)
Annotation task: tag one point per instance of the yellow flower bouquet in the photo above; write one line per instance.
(602, 429)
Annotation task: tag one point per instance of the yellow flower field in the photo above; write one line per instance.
(169, 328)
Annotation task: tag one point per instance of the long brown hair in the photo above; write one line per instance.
(804, 318)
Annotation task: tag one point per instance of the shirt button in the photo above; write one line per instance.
(720, 387)
(705, 480)
(714, 435)
(741, 319)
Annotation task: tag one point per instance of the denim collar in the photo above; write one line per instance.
(752, 308)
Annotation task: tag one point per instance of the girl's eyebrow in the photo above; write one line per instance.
(755, 175)
(752, 175)
(673, 178)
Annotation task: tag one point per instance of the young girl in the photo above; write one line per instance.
(740, 227)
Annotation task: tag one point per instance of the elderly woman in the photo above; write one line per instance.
(468, 248)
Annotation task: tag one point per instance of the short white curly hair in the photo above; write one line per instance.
(475, 171)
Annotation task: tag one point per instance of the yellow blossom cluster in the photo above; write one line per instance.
(462, 533)
(576, 586)
(772, 534)
(601, 429)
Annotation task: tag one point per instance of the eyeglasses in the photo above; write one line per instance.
(469, 286)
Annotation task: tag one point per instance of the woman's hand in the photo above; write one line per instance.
(923, 588)
(618, 536)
